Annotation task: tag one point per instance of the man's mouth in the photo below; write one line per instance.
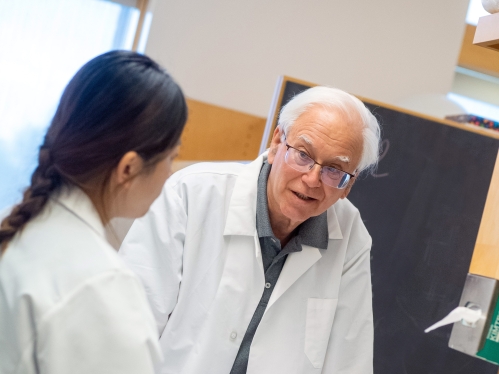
(303, 197)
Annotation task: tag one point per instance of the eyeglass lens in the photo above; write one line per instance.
(300, 161)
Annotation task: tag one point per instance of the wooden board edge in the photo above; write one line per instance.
(276, 111)
(466, 127)
(283, 80)
(485, 260)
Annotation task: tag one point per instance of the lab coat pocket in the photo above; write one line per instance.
(320, 315)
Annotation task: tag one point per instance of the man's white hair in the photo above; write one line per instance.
(338, 101)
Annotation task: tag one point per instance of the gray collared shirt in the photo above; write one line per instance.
(312, 232)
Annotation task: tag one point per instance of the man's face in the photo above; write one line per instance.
(327, 138)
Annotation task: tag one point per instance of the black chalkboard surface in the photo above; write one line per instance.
(423, 208)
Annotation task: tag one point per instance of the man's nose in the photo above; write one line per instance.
(312, 178)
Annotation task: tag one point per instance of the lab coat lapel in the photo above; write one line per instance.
(298, 263)
(333, 225)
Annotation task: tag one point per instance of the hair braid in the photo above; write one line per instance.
(44, 180)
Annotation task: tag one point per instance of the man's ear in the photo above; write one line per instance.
(347, 189)
(274, 144)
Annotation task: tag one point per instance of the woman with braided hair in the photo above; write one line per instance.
(67, 302)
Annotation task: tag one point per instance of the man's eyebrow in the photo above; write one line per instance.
(344, 159)
(305, 139)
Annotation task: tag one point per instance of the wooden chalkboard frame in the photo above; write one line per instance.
(275, 107)
(277, 99)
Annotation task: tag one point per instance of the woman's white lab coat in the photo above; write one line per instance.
(198, 254)
(67, 302)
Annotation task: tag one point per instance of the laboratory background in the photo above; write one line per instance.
(429, 72)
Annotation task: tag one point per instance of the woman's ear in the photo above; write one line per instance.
(130, 165)
(274, 144)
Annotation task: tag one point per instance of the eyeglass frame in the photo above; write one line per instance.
(316, 163)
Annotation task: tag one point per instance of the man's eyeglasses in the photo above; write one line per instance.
(302, 162)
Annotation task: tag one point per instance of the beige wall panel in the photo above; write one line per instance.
(230, 53)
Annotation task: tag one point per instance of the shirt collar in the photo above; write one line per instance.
(262, 207)
(313, 232)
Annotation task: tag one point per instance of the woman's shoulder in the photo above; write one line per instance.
(54, 255)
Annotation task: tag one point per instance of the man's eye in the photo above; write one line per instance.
(332, 172)
(303, 155)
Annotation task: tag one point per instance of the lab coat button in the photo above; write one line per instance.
(267, 285)
(233, 335)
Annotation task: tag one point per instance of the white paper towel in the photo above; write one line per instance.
(470, 316)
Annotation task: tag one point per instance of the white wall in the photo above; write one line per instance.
(230, 52)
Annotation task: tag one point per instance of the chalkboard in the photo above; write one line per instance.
(423, 208)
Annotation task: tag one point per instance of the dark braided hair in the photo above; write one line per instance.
(118, 102)
(44, 180)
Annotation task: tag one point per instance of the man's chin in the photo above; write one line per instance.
(295, 214)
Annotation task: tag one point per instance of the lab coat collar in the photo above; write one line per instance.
(333, 224)
(77, 202)
(241, 216)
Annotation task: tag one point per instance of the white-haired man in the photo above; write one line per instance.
(265, 267)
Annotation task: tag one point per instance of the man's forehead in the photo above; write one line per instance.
(319, 120)
(323, 117)
(337, 128)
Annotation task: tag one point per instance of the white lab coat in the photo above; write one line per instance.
(68, 304)
(198, 255)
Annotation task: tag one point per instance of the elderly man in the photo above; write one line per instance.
(265, 267)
